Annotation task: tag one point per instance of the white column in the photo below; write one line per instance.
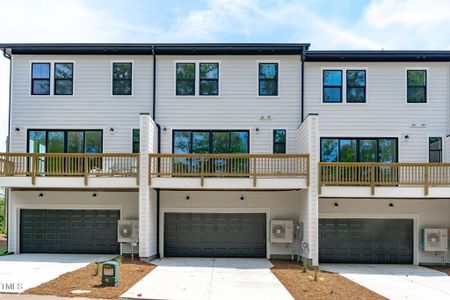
(313, 193)
(144, 192)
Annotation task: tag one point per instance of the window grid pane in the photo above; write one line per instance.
(122, 79)
(279, 141)
(332, 86)
(356, 86)
(40, 79)
(416, 86)
(268, 79)
(435, 149)
(185, 79)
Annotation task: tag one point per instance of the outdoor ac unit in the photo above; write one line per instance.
(436, 240)
(128, 231)
(282, 231)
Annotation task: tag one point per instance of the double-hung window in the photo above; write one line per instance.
(63, 79)
(279, 141)
(185, 79)
(332, 86)
(268, 79)
(356, 86)
(416, 86)
(435, 149)
(209, 79)
(40, 78)
(122, 78)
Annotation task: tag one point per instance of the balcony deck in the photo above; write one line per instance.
(397, 180)
(170, 171)
(69, 170)
(229, 171)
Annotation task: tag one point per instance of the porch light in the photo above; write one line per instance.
(187, 197)
(242, 198)
(257, 130)
(336, 204)
(41, 195)
(391, 204)
(111, 130)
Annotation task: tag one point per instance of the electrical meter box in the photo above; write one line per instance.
(110, 273)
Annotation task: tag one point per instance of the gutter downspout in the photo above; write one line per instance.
(159, 149)
(154, 85)
(8, 146)
(302, 93)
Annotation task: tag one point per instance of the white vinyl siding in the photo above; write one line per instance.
(238, 105)
(386, 113)
(92, 107)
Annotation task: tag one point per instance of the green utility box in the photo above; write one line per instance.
(110, 273)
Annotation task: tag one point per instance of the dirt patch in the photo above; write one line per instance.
(329, 286)
(444, 269)
(84, 279)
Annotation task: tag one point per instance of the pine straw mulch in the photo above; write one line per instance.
(444, 269)
(85, 279)
(329, 286)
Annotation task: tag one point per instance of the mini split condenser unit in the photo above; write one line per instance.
(435, 240)
(128, 231)
(282, 231)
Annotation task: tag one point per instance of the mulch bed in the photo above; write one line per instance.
(85, 279)
(329, 286)
(444, 269)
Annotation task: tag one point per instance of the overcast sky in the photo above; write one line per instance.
(343, 24)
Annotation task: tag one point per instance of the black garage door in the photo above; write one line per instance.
(386, 241)
(68, 231)
(215, 235)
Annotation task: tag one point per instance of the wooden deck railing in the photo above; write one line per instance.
(229, 165)
(384, 174)
(70, 164)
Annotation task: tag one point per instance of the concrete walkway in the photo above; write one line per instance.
(209, 278)
(396, 281)
(23, 271)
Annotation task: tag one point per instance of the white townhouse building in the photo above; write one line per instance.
(229, 150)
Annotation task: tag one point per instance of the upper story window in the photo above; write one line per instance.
(136, 141)
(358, 150)
(356, 86)
(332, 86)
(122, 78)
(40, 78)
(185, 77)
(268, 79)
(435, 149)
(209, 79)
(279, 141)
(63, 79)
(416, 86)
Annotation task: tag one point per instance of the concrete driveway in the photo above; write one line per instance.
(23, 271)
(209, 278)
(396, 281)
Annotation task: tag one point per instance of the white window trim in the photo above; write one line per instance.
(344, 84)
(427, 87)
(52, 63)
(278, 81)
(126, 61)
(197, 78)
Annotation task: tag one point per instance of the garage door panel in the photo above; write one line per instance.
(366, 240)
(215, 234)
(68, 231)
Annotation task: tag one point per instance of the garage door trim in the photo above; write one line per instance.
(16, 208)
(213, 210)
(414, 217)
